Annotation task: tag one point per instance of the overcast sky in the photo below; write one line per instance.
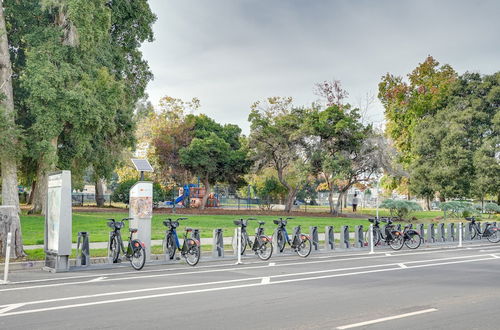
(230, 53)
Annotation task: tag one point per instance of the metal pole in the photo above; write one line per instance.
(238, 237)
(371, 239)
(459, 234)
(7, 258)
(378, 182)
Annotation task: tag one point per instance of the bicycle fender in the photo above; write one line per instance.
(412, 232)
(137, 244)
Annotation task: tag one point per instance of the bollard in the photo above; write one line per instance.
(7, 259)
(238, 250)
(358, 236)
(441, 233)
(313, 232)
(83, 249)
(274, 242)
(344, 237)
(218, 244)
(329, 238)
(451, 232)
(460, 233)
(431, 233)
(421, 230)
(370, 234)
(468, 231)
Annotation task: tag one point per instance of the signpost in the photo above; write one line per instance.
(141, 205)
(58, 219)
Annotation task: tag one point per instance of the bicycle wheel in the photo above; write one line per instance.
(114, 248)
(169, 246)
(265, 251)
(494, 237)
(414, 241)
(473, 233)
(138, 258)
(280, 240)
(244, 242)
(396, 243)
(304, 248)
(192, 255)
(376, 236)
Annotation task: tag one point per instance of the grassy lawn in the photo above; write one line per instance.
(95, 224)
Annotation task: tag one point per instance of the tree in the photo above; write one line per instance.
(213, 158)
(277, 140)
(8, 143)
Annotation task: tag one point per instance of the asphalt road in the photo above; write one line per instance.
(430, 288)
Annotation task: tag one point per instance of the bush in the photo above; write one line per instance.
(458, 209)
(491, 208)
(400, 208)
(122, 192)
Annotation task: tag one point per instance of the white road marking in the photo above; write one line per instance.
(265, 280)
(388, 255)
(10, 307)
(385, 319)
(402, 266)
(97, 279)
(272, 264)
(494, 256)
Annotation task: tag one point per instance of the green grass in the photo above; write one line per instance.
(95, 224)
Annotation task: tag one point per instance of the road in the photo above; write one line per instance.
(430, 288)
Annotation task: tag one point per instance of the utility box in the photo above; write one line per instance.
(141, 212)
(58, 221)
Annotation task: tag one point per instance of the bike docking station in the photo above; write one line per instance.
(313, 233)
(58, 222)
(141, 206)
(329, 238)
(218, 243)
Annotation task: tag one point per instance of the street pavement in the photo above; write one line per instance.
(428, 288)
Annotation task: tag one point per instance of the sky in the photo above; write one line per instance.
(231, 53)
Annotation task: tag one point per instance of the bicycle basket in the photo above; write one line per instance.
(111, 224)
(276, 222)
(237, 222)
(119, 224)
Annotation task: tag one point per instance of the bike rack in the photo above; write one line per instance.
(421, 231)
(344, 237)
(468, 231)
(358, 236)
(218, 244)
(431, 233)
(480, 229)
(274, 242)
(110, 260)
(398, 227)
(313, 233)
(329, 238)
(196, 235)
(441, 233)
(83, 249)
(451, 232)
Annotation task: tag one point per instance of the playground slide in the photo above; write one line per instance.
(179, 199)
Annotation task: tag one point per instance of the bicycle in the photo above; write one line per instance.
(393, 238)
(136, 250)
(411, 237)
(300, 243)
(190, 249)
(261, 245)
(490, 231)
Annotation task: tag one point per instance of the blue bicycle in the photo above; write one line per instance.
(190, 249)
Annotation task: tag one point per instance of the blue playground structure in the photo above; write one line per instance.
(194, 194)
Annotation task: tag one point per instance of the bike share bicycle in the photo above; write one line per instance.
(300, 243)
(490, 231)
(190, 249)
(136, 250)
(394, 238)
(261, 245)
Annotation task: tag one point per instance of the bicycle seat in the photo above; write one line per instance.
(132, 230)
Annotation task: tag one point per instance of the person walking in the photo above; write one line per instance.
(355, 201)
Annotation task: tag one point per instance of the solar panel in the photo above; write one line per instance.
(142, 165)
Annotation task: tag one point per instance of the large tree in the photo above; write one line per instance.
(277, 140)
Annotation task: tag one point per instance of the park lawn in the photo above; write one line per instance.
(95, 224)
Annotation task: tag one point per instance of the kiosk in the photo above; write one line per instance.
(58, 219)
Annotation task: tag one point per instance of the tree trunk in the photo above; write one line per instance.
(290, 198)
(428, 203)
(99, 192)
(204, 200)
(9, 222)
(32, 192)
(45, 165)
(10, 195)
(330, 201)
(339, 202)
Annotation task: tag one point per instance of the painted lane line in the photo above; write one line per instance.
(385, 319)
(211, 290)
(333, 256)
(224, 270)
(265, 280)
(402, 266)
(10, 307)
(97, 279)
(272, 264)
(388, 255)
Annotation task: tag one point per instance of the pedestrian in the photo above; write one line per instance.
(355, 202)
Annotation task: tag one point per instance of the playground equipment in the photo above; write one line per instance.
(194, 194)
